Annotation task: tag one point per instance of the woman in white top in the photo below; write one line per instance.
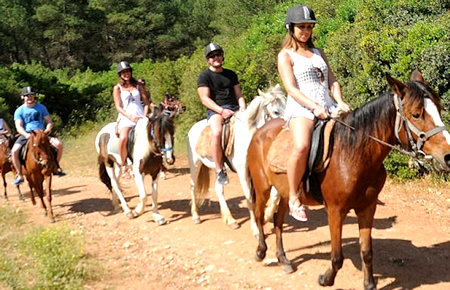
(131, 102)
(307, 78)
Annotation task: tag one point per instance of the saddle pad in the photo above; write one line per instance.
(284, 143)
(203, 144)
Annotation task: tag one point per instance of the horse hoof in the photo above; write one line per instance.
(288, 269)
(52, 220)
(259, 256)
(323, 281)
(234, 226)
(130, 215)
(197, 221)
(160, 222)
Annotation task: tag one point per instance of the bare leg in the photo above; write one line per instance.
(301, 129)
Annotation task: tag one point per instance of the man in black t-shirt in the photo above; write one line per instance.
(220, 93)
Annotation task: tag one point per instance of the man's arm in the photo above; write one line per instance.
(20, 129)
(49, 126)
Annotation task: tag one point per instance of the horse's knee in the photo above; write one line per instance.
(367, 256)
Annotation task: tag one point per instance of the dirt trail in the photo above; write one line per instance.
(411, 239)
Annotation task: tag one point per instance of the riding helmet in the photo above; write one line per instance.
(212, 47)
(123, 65)
(27, 91)
(300, 14)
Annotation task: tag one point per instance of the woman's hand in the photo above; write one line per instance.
(320, 112)
(343, 106)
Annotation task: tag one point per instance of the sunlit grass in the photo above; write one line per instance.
(41, 258)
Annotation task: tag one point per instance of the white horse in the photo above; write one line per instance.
(153, 138)
(267, 105)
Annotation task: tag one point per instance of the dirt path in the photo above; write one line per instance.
(411, 239)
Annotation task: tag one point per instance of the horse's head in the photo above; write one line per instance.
(267, 105)
(39, 148)
(419, 124)
(274, 102)
(162, 132)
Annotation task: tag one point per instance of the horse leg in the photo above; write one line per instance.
(365, 222)
(116, 190)
(260, 204)
(224, 210)
(335, 221)
(246, 186)
(159, 219)
(139, 179)
(21, 198)
(194, 208)
(272, 204)
(279, 220)
(48, 197)
(5, 194)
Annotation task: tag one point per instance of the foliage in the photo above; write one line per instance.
(397, 167)
(164, 41)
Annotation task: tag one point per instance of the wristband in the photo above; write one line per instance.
(314, 107)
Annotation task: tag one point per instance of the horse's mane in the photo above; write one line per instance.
(255, 110)
(364, 118)
(163, 124)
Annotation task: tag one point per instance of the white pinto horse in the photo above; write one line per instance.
(267, 105)
(153, 138)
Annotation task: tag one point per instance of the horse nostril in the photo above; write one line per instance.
(447, 159)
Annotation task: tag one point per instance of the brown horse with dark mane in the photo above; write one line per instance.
(7, 166)
(40, 163)
(408, 116)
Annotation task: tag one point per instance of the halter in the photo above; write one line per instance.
(422, 137)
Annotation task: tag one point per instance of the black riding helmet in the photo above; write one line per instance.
(299, 14)
(212, 47)
(27, 91)
(123, 65)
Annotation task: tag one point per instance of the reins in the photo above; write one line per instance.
(416, 146)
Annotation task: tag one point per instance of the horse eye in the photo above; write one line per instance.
(416, 115)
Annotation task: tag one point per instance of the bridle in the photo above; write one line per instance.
(422, 137)
(155, 141)
(39, 161)
(415, 147)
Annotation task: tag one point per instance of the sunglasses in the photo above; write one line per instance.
(319, 74)
(214, 54)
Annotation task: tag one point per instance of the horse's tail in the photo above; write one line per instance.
(104, 177)
(199, 176)
(201, 184)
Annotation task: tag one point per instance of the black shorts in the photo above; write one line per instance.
(209, 112)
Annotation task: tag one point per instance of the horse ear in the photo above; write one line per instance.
(416, 75)
(396, 85)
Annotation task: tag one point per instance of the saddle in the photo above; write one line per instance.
(204, 141)
(319, 155)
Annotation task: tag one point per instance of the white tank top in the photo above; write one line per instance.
(131, 102)
(311, 77)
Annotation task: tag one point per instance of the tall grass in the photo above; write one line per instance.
(41, 258)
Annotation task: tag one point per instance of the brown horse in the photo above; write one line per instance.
(40, 163)
(409, 115)
(7, 166)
